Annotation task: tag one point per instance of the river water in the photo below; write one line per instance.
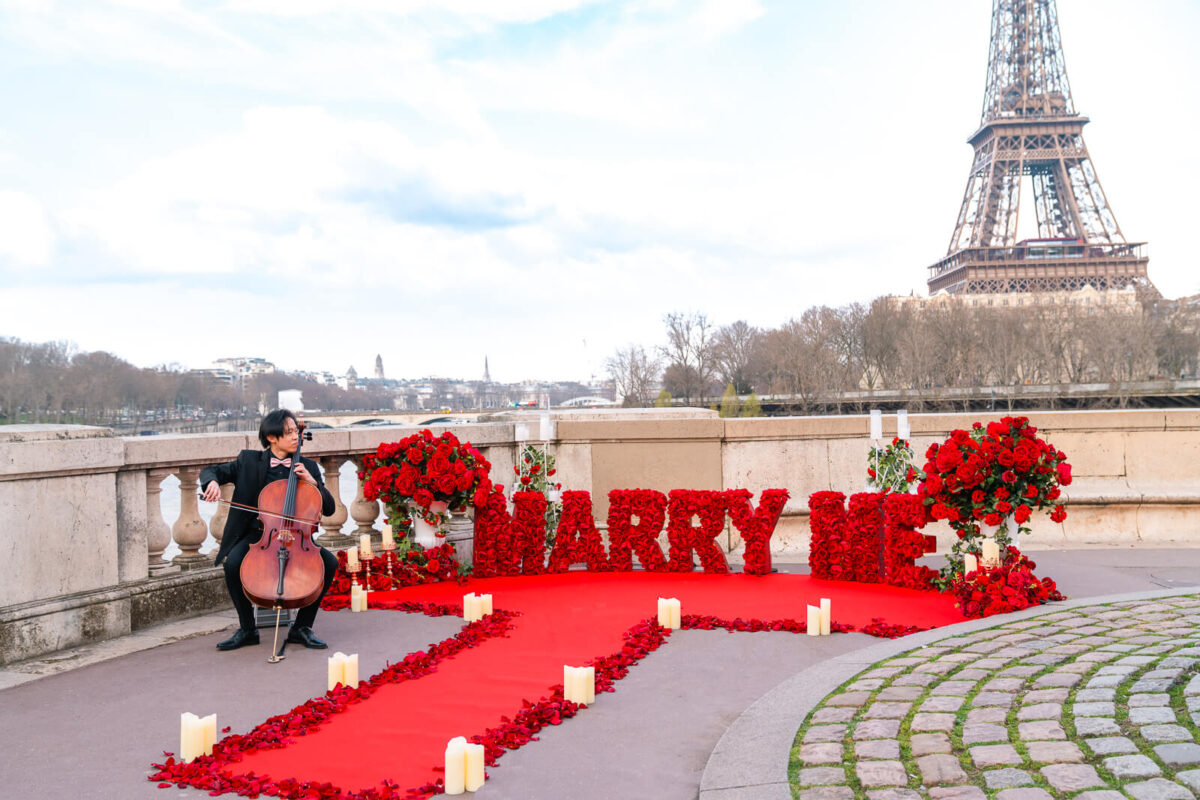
(348, 485)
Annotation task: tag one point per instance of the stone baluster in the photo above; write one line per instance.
(216, 525)
(364, 511)
(158, 533)
(333, 538)
(189, 531)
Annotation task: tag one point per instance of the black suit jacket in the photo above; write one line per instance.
(248, 474)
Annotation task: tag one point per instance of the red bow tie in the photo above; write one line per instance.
(285, 462)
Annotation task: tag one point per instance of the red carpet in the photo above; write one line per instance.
(400, 732)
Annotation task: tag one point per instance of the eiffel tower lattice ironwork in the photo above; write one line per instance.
(1030, 127)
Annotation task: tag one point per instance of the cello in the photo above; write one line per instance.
(283, 569)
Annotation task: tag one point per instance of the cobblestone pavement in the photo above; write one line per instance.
(1099, 702)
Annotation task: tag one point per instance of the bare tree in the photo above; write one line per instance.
(688, 354)
(737, 357)
(634, 373)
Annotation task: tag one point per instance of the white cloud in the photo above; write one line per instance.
(26, 236)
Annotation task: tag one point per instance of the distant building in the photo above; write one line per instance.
(378, 367)
(291, 399)
(243, 368)
(487, 375)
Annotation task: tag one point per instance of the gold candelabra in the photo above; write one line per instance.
(353, 572)
(366, 560)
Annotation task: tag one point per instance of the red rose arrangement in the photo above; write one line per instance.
(411, 568)
(577, 540)
(425, 470)
(684, 538)
(903, 517)
(626, 538)
(876, 541)
(830, 545)
(982, 476)
(1009, 587)
(756, 525)
(864, 522)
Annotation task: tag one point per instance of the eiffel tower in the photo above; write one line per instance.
(1029, 126)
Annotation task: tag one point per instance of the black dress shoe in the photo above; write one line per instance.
(242, 638)
(305, 637)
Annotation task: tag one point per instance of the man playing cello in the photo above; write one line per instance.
(249, 473)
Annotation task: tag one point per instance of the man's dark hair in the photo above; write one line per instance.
(273, 424)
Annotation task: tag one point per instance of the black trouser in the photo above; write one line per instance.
(245, 609)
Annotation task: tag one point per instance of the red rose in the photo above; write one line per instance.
(1058, 514)
(978, 496)
(1031, 491)
(414, 455)
(1005, 458)
(1004, 507)
(1001, 493)
(1021, 515)
(993, 519)
(1009, 476)
(1064, 473)
(434, 565)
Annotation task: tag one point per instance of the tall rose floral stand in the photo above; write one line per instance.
(460, 533)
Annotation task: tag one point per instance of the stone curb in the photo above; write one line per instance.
(751, 757)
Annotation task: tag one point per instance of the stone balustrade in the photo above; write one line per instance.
(85, 534)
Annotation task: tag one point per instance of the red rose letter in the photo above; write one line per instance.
(529, 532)
(710, 508)
(756, 525)
(827, 519)
(625, 538)
(577, 539)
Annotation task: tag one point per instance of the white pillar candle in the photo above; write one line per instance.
(568, 683)
(970, 563)
(352, 557)
(676, 613)
(337, 663)
(356, 595)
(814, 621)
(475, 775)
(876, 424)
(209, 726)
(903, 431)
(389, 538)
(486, 603)
(350, 671)
(456, 766)
(664, 613)
(826, 615)
(991, 552)
(191, 736)
(472, 607)
(589, 685)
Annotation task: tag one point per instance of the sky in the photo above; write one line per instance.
(537, 182)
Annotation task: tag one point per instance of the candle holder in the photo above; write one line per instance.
(389, 556)
(366, 561)
(353, 573)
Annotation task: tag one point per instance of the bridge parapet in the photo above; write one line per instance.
(85, 533)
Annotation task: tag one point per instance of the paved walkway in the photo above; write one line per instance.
(1049, 702)
(1094, 699)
